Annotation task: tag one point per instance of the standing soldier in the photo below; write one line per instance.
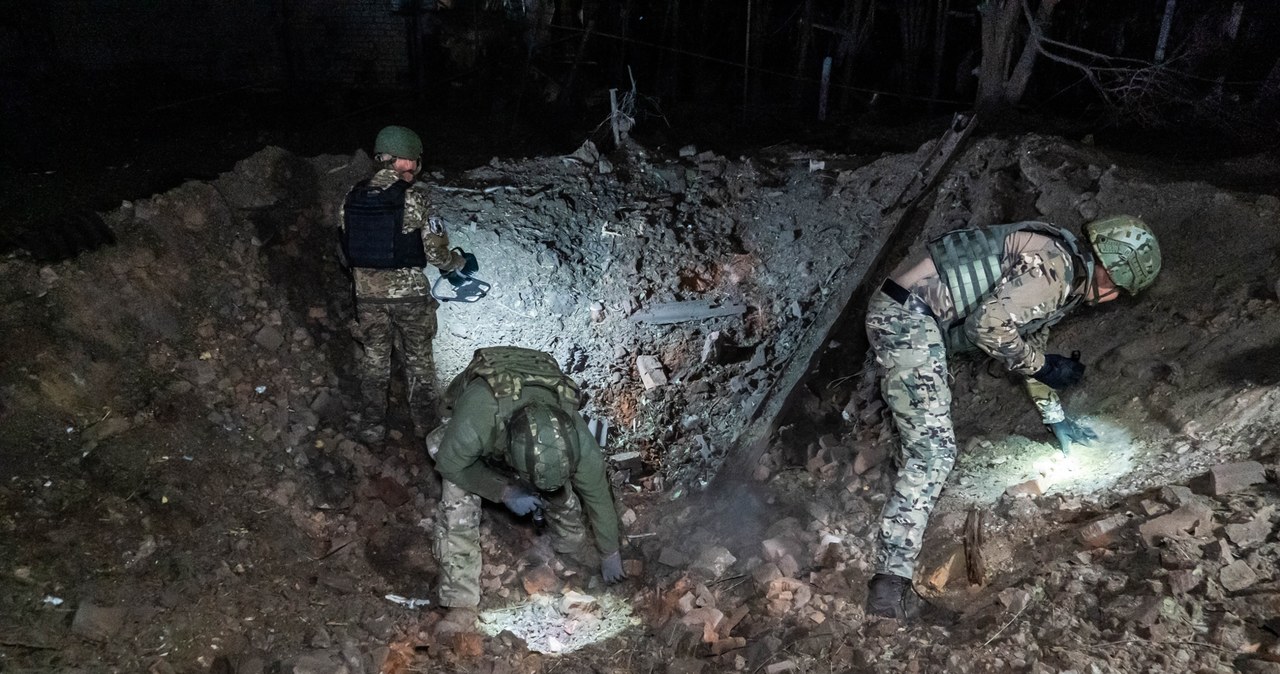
(387, 240)
(515, 437)
(998, 290)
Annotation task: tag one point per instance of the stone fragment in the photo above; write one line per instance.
(1195, 518)
(634, 568)
(97, 623)
(1231, 477)
(1030, 488)
(672, 557)
(1253, 532)
(1103, 532)
(269, 338)
(765, 574)
(706, 619)
(651, 372)
(870, 455)
(628, 517)
(1176, 495)
(1237, 576)
(780, 667)
(540, 580)
(939, 577)
(715, 560)
(1183, 581)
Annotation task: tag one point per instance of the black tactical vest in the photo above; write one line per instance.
(372, 235)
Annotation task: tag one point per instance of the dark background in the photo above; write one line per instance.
(106, 100)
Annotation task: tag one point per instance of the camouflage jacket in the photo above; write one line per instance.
(473, 457)
(385, 284)
(1037, 279)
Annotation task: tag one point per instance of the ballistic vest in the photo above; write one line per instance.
(969, 262)
(510, 371)
(372, 235)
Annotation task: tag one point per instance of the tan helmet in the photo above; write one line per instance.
(1128, 249)
(541, 445)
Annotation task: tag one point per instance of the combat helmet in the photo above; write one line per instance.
(541, 445)
(398, 141)
(1128, 249)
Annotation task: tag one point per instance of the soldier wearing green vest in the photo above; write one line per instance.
(996, 290)
(514, 436)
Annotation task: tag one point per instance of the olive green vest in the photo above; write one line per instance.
(507, 370)
(969, 262)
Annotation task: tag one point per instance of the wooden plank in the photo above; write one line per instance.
(859, 275)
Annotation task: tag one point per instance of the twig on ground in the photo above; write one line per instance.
(1002, 627)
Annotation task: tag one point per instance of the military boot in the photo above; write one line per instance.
(457, 620)
(893, 597)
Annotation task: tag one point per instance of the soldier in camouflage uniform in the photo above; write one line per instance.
(514, 436)
(998, 291)
(388, 237)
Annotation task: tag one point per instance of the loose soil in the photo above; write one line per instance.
(183, 488)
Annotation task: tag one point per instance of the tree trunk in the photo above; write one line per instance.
(802, 50)
(999, 24)
(857, 19)
(941, 21)
(1016, 86)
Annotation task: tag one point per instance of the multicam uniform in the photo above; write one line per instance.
(997, 290)
(394, 304)
(474, 461)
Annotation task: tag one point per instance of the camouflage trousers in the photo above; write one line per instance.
(407, 326)
(912, 358)
(457, 539)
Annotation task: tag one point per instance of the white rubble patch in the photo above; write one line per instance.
(561, 624)
(987, 467)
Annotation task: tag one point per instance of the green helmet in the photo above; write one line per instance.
(541, 445)
(1128, 249)
(398, 141)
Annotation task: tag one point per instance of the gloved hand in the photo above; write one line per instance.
(1059, 372)
(469, 264)
(520, 500)
(460, 275)
(611, 568)
(1069, 431)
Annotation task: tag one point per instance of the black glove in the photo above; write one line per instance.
(1068, 431)
(520, 500)
(469, 264)
(1059, 372)
(462, 274)
(611, 568)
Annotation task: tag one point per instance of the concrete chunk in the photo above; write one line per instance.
(1103, 532)
(1193, 518)
(1237, 575)
(651, 372)
(1231, 477)
(1030, 488)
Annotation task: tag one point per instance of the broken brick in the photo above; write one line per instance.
(651, 373)
(540, 580)
(1230, 477)
(706, 619)
(869, 456)
(1193, 517)
(1030, 488)
(1103, 532)
(1237, 575)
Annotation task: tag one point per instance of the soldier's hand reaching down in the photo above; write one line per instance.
(1069, 431)
(611, 568)
(520, 500)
